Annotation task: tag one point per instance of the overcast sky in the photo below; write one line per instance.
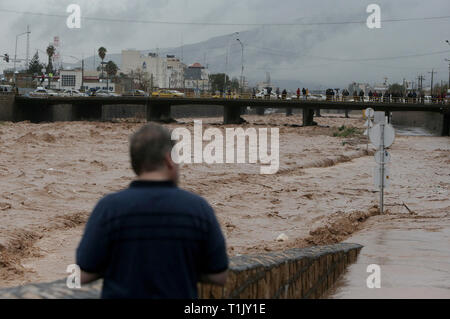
(346, 42)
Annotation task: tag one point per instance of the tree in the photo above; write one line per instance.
(235, 84)
(396, 88)
(217, 81)
(102, 53)
(111, 69)
(35, 66)
(50, 52)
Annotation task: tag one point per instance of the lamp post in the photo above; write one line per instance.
(242, 63)
(15, 55)
(226, 63)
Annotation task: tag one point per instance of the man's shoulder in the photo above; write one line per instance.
(184, 199)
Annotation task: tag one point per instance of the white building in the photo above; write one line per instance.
(72, 79)
(156, 67)
(175, 71)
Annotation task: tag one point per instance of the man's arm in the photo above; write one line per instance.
(216, 279)
(93, 250)
(215, 263)
(87, 277)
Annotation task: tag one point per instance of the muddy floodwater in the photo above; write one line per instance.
(51, 176)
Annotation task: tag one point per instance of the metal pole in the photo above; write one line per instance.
(382, 169)
(242, 64)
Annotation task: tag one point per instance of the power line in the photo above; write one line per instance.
(296, 54)
(107, 19)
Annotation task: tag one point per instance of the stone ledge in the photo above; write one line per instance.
(294, 273)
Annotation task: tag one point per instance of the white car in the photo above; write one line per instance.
(177, 93)
(40, 92)
(73, 92)
(105, 93)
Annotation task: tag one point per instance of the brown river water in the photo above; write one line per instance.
(51, 176)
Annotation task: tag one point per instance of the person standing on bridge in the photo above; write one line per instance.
(153, 239)
(361, 95)
(304, 93)
(298, 94)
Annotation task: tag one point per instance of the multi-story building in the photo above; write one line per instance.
(175, 70)
(196, 77)
(155, 66)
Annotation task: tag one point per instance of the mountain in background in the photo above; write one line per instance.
(283, 52)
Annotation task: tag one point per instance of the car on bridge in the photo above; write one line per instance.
(105, 93)
(136, 93)
(167, 94)
(73, 92)
(41, 92)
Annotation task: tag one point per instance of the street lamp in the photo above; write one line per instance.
(242, 62)
(15, 54)
(226, 62)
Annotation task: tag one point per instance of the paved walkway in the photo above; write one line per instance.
(413, 253)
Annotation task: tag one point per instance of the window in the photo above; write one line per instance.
(68, 80)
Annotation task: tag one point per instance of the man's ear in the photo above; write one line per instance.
(168, 161)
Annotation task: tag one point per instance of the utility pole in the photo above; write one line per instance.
(28, 46)
(432, 78)
(242, 63)
(448, 60)
(82, 73)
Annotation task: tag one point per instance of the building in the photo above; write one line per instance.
(196, 77)
(75, 79)
(175, 70)
(155, 66)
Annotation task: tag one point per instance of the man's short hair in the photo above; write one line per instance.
(148, 147)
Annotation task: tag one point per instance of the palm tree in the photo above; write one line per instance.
(50, 52)
(102, 53)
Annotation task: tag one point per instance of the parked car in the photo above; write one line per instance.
(177, 93)
(105, 93)
(136, 93)
(39, 92)
(6, 88)
(73, 92)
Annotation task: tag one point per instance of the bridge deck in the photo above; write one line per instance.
(377, 106)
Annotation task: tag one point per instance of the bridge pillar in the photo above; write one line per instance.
(308, 117)
(260, 111)
(232, 115)
(446, 124)
(288, 111)
(159, 112)
(87, 111)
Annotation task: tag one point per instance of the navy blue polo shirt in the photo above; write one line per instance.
(152, 240)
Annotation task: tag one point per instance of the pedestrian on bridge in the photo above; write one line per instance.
(298, 94)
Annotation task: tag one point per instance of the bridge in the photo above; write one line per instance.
(159, 109)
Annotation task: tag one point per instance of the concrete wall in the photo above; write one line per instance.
(428, 120)
(295, 273)
(6, 106)
(111, 112)
(180, 111)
